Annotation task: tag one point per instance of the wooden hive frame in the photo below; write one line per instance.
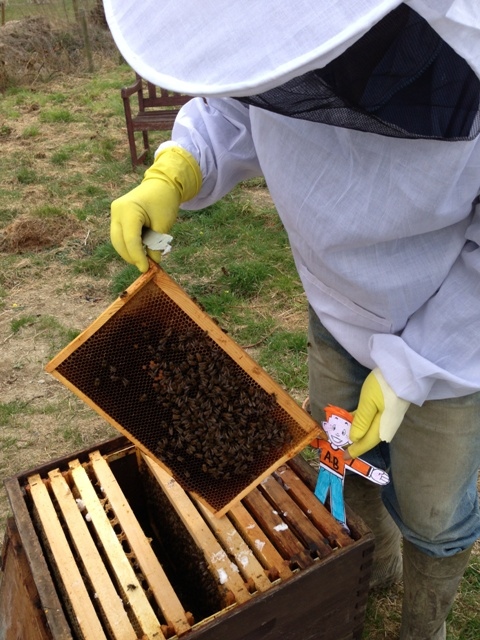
(134, 308)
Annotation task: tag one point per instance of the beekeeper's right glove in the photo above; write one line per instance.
(173, 178)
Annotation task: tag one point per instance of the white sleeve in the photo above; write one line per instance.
(438, 353)
(217, 133)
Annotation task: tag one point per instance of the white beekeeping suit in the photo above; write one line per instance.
(377, 224)
(364, 118)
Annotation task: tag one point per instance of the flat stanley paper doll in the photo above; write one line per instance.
(333, 464)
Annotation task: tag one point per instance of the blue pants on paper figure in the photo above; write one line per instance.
(330, 482)
(333, 464)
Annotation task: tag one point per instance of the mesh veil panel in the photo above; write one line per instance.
(400, 79)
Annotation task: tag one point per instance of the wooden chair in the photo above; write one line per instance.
(157, 110)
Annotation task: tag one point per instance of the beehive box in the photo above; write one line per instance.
(105, 544)
(164, 374)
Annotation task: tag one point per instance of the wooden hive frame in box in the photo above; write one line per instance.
(117, 550)
(162, 372)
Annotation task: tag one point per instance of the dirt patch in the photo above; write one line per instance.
(28, 234)
(49, 421)
(259, 196)
(73, 302)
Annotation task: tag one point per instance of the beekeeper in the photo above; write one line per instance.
(363, 118)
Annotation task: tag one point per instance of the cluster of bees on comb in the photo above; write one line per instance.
(215, 416)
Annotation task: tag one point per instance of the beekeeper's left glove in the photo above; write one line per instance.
(378, 415)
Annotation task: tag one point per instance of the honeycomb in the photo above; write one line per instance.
(154, 372)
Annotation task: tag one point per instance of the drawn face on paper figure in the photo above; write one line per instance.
(338, 430)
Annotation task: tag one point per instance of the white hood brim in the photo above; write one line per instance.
(238, 48)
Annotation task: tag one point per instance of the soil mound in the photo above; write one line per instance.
(27, 234)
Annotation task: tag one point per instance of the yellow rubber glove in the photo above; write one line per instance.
(378, 415)
(173, 178)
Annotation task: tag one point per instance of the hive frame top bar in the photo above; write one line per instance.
(305, 427)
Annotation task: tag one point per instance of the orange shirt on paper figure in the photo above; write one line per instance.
(333, 465)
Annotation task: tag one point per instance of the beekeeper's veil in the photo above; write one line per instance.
(354, 63)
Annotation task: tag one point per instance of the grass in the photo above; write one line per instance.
(31, 132)
(9, 410)
(23, 321)
(53, 116)
(233, 257)
(465, 617)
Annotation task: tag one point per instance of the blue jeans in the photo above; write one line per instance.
(433, 460)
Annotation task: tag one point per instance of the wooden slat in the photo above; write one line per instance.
(259, 542)
(215, 556)
(53, 611)
(108, 598)
(119, 563)
(277, 530)
(85, 614)
(231, 540)
(295, 518)
(313, 508)
(155, 576)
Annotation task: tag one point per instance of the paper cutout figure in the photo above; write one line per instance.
(331, 475)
